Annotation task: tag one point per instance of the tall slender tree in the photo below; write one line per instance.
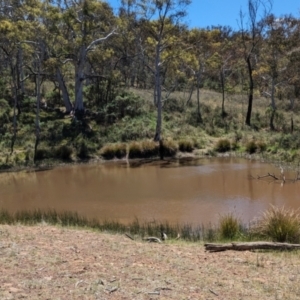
(162, 19)
(251, 36)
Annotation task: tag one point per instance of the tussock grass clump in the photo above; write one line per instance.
(223, 145)
(143, 149)
(170, 147)
(186, 145)
(261, 146)
(135, 150)
(229, 226)
(251, 147)
(150, 148)
(279, 225)
(111, 151)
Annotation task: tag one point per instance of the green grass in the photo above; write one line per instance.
(276, 224)
(229, 226)
(131, 117)
(186, 232)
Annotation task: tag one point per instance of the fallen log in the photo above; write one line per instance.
(212, 247)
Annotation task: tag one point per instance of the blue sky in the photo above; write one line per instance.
(203, 13)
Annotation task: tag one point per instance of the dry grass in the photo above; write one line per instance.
(279, 224)
(45, 262)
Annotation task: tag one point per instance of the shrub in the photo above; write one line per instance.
(83, 151)
(64, 152)
(42, 154)
(186, 145)
(229, 226)
(223, 145)
(279, 225)
(261, 146)
(235, 145)
(4, 111)
(251, 147)
(174, 105)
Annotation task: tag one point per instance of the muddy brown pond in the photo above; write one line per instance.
(193, 191)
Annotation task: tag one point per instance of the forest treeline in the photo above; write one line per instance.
(83, 56)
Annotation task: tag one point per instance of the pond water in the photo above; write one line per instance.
(194, 191)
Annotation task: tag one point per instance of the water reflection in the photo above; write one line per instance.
(184, 191)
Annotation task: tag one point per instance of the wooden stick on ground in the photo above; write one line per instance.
(250, 246)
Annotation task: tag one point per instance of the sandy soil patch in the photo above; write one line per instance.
(46, 262)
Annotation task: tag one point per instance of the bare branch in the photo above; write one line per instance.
(96, 42)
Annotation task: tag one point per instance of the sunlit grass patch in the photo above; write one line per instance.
(111, 151)
(135, 150)
(143, 149)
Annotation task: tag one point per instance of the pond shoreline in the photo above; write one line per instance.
(196, 154)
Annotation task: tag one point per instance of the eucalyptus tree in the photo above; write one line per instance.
(161, 20)
(17, 19)
(251, 39)
(292, 71)
(225, 58)
(85, 21)
(273, 60)
(202, 48)
(126, 43)
(55, 46)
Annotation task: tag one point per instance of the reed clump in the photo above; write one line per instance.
(229, 226)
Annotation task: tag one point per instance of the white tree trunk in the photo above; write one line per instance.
(79, 79)
(63, 88)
